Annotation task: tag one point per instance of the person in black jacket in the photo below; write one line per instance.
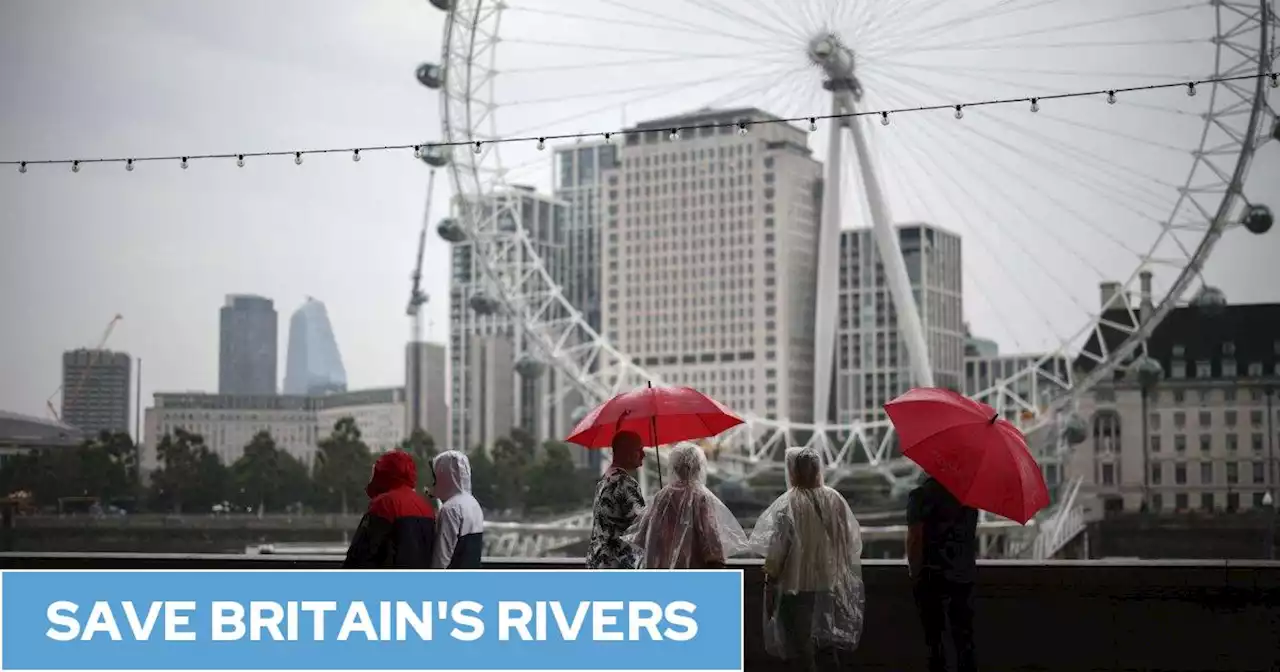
(398, 531)
(942, 551)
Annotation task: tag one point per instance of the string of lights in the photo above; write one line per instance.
(743, 127)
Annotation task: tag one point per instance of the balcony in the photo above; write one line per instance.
(1068, 615)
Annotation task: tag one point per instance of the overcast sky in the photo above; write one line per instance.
(1047, 204)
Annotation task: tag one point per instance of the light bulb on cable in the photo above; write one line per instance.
(1111, 97)
(128, 165)
(297, 158)
(476, 149)
(240, 160)
(542, 143)
(813, 125)
(1191, 89)
(22, 167)
(608, 138)
(75, 166)
(417, 152)
(183, 165)
(742, 128)
(959, 112)
(355, 155)
(1275, 81)
(675, 135)
(1035, 104)
(884, 118)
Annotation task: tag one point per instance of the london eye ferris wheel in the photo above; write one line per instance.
(1051, 197)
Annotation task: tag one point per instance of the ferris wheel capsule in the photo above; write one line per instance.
(1211, 300)
(442, 5)
(430, 75)
(529, 367)
(484, 303)
(451, 231)
(436, 157)
(1075, 430)
(1258, 220)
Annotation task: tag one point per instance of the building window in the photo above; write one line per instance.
(1206, 443)
(1206, 501)
(1157, 502)
(1229, 418)
(1157, 471)
(1179, 396)
(1179, 420)
(1233, 502)
(1233, 442)
(1206, 473)
(1204, 369)
(1178, 370)
(1257, 500)
(1233, 473)
(1255, 418)
(1206, 419)
(1154, 421)
(1228, 368)
(1259, 472)
(1255, 369)
(1108, 474)
(1180, 501)
(1256, 442)
(1180, 473)
(1154, 443)
(1180, 443)
(1229, 395)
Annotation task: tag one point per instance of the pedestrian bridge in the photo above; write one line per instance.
(1031, 615)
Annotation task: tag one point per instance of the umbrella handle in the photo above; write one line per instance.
(994, 418)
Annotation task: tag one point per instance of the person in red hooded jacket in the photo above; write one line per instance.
(398, 531)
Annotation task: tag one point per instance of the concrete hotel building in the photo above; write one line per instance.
(1211, 421)
(493, 392)
(708, 257)
(297, 423)
(247, 346)
(871, 360)
(95, 390)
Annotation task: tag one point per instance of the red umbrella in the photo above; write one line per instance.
(977, 455)
(660, 415)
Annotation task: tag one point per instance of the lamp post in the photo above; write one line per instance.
(1149, 373)
(1269, 503)
(1268, 498)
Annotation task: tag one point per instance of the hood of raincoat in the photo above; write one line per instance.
(686, 526)
(453, 474)
(392, 470)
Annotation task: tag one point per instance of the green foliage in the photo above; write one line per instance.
(422, 447)
(553, 480)
(105, 468)
(190, 475)
(343, 467)
(483, 478)
(266, 478)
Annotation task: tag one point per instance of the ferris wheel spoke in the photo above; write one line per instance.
(759, 56)
(981, 207)
(1067, 45)
(899, 178)
(906, 32)
(1093, 75)
(672, 26)
(683, 21)
(1076, 25)
(1086, 179)
(665, 86)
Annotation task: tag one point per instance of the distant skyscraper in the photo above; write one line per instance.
(95, 390)
(428, 403)
(708, 248)
(872, 365)
(579, 172)
(488, 386)
(314, 365)
(247, 346)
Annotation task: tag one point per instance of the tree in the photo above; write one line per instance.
(105, 467)
(483, 485)
(267, 477)
(553, 481)
(511, 461)
(190, 474)
(343, 466)
(422, 447)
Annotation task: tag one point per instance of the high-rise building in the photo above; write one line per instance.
(314, 365)
(579, 171)
(872, 365)
(95, 390)
(708, 254)
(482, 339)
(427, 406)
(247, 346)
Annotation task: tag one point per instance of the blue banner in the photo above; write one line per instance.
(352, 620)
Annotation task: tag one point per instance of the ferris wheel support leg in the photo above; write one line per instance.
(895, 268)
(828, 294)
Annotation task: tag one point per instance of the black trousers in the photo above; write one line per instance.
(946, 614)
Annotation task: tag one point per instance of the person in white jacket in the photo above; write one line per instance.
(460, 521)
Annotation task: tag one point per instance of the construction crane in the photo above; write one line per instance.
(93, 360)
(418, 299)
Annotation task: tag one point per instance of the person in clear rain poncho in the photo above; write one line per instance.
(686, 526)
(812, 545)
